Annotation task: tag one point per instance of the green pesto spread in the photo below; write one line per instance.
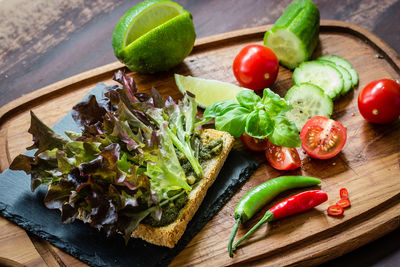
(207, 150)
(169, 212)
(210, 150)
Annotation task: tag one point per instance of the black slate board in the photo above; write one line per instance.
(18, 204)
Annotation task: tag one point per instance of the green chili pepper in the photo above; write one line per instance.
(259, 196)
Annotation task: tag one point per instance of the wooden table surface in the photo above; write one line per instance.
(42, 42)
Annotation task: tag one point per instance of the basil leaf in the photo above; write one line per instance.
(285, 133)
(218, 109)
(259, 124)
(233, 121)
(248, 99)
(274, 104)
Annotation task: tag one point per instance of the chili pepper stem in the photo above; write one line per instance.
(232, 237)
(268, 216)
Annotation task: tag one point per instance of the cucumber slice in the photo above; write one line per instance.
(323, 75)
(337, 60)
(354, 77)
(294, 35)
(307, 100)
(345, 64)
(347, 79)
(347, 83)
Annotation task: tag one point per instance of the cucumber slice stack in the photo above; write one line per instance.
(347, 82)
(307, 100)
(333, 74)
(294, 35)
(316, 84)
(324, 75)
(339, 61)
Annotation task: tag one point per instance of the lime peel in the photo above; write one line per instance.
(207, 91)
(163, 13)
(153, 36)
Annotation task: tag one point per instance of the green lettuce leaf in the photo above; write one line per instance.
(166, 174)
(64, 163)
(41, 171)
(132, 220)
(88, 112)
(126, 115)
(123, 163)
(82, 151)
(58, 194)
(44, 138)
(73, 135)
(124, 166)
(182, 119)
(189, 110)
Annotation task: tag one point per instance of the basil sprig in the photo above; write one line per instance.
(258, 117)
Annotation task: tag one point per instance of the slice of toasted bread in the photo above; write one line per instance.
(170, 234)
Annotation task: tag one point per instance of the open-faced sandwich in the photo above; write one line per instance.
(140, 167)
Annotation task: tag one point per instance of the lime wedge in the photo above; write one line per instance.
(153, 36)
(207, 91)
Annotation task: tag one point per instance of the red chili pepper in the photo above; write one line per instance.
(335, 210)
(298, 203)
(344, 203)
(292, 205)
(344, 194)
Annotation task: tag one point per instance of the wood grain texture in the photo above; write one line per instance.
(15, 245)
(368, 166)
(31, 30)
(42, 42)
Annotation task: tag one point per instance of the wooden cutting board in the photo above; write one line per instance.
(368, 166)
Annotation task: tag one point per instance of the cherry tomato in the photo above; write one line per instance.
(254, 144)
(322, 138)
(379, 101)
(335, 210)
(344, 194)
(282, 158)
(256, 67)
(344, 203)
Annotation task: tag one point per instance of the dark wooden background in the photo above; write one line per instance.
(42, 42)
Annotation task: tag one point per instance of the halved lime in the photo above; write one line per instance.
(153, 36)
(207, 91)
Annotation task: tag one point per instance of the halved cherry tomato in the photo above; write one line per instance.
(344, 194)
(379, 101)
(254, 144)
(322, 138)
(256, 67)
(344, 203)
(335, 210)
(282, 158)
